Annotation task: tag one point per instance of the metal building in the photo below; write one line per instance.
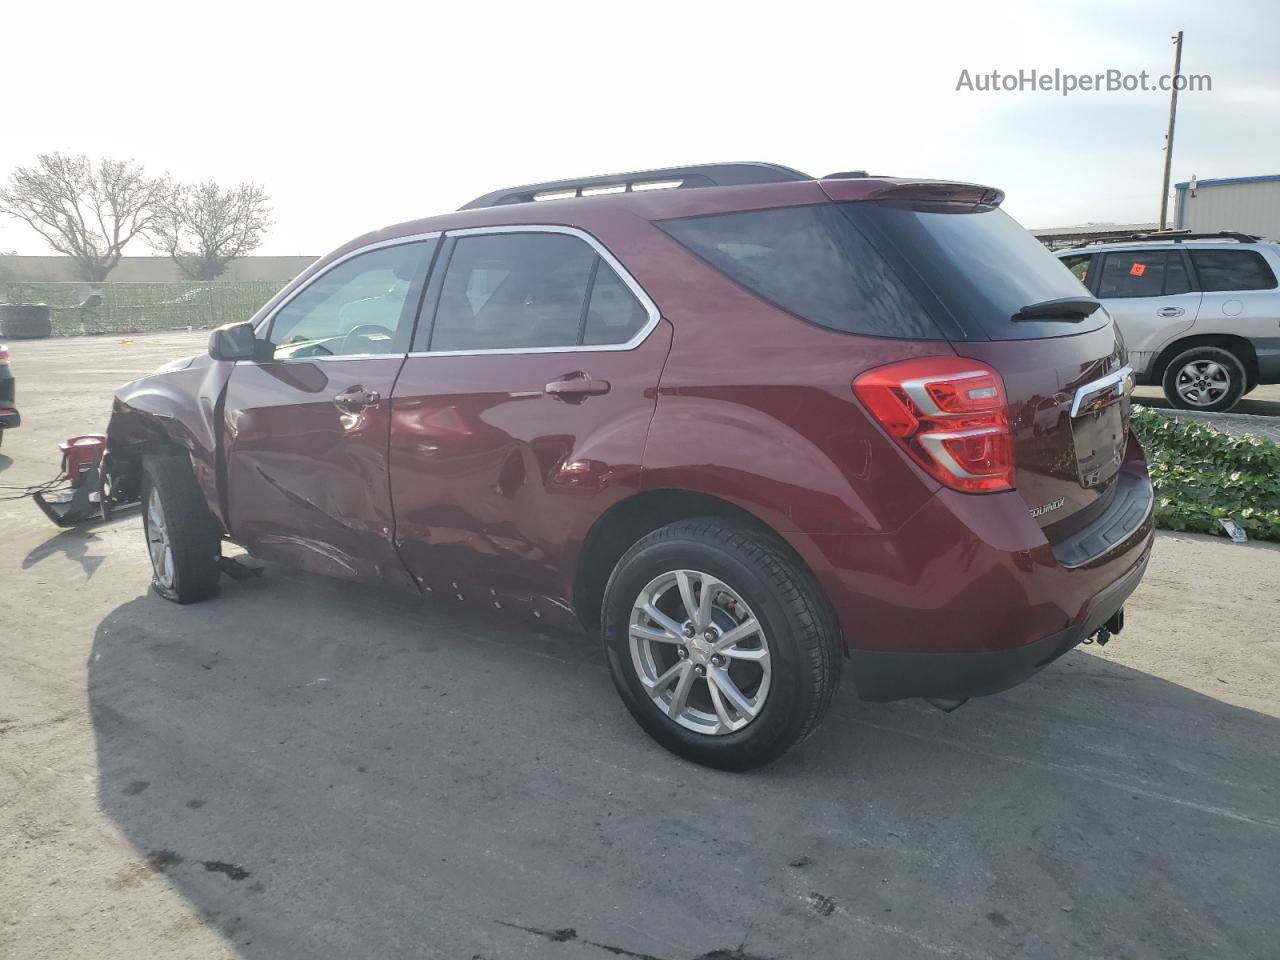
(1242, 204)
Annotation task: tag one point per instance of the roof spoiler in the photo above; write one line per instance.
(699, 175)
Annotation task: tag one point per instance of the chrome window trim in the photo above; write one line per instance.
(638, 291)
(269, 319)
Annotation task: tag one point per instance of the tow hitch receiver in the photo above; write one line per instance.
(1114, 625)
(89, 494)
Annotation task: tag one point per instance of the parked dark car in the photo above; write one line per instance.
(751, 426)
(9, 416)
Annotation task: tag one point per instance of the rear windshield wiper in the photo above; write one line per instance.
(1070, 309)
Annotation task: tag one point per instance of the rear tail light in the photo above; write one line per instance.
(4, 353)
(949, 414)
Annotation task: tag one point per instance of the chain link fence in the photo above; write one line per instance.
(143, 307)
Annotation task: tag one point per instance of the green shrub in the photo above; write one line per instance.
(1202, 475)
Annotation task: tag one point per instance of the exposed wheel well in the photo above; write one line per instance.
(624, 524)
(1240, 346)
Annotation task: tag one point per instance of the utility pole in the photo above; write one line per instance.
(1168, 140)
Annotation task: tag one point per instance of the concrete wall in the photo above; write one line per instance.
(1248, 205)
(147, 269)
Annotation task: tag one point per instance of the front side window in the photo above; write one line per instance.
(508, 291)
(359, 307)
(1232, 270)
(1147, 273)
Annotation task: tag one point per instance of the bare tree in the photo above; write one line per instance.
(204, 227)
(85, 211)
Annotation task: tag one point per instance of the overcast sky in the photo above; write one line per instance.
(358, 115)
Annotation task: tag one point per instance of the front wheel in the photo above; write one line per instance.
(1204, 378)
(719, 643)
(182, 536)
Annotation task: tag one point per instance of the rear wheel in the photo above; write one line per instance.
(1204, 378)
(182, 536)
(719, 643)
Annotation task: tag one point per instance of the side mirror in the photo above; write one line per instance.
(233, 341)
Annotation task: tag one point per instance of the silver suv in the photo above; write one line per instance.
(1200, 312)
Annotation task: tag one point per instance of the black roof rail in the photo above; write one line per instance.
(1175, 237)
(700, 175)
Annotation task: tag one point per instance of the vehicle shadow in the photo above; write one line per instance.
(5, 462)
(324, 772)
(77, 543)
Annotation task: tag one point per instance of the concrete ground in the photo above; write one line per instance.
(1263, 400)
(294, 770)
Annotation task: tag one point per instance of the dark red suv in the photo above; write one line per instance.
(754, 427)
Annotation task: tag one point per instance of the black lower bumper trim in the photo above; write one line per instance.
(881, 675)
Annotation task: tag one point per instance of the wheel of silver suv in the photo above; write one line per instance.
(1204, 378)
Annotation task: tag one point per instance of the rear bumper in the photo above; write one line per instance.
(969, 598)
(882, 676)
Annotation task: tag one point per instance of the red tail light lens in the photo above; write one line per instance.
(4, 353)
(950, 414)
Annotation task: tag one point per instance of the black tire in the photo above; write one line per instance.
(802, 638)
(1225, 360)
(192, 532)
(25, 320)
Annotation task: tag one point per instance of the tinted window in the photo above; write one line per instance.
(1078, 265)
(1143, 274)
(982, 266)
(1232, 270)
(357, 307)
(615, 315)
(813, 262)
(507, 291)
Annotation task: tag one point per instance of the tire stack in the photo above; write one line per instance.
(24, 321)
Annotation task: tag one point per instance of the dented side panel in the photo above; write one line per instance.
(174, 409)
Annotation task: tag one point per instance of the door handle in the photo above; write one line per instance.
(354, 399)
(1170, 312)
(575, 387)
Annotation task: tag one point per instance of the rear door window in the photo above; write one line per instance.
(1143, 273)
(1232, 270)
(511, 291)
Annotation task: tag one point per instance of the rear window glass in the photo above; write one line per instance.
(980, 264)
(1232, 270)
(812, 262)
(1148, 273)
(910, 270)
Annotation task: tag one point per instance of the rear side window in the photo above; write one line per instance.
(812, 262)
(1078, 264)
(893, 269)
(509, 291)
(1232, 270)
(1146, 273)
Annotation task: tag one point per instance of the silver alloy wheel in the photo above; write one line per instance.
(1202, 382)
(700, 652)
(158, 541)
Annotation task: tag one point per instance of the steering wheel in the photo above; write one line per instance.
(360, 329)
